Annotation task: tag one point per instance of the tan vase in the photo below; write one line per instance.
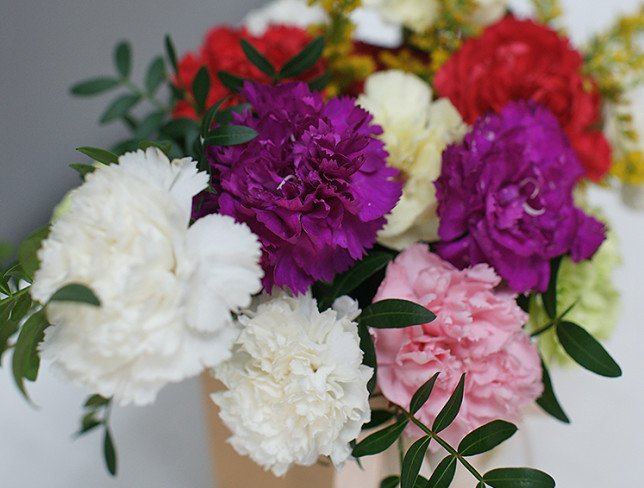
(235, 471)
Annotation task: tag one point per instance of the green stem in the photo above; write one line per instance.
(444, 445)
(543, 329)
(15, 295)
(401, 451)
(146, 96)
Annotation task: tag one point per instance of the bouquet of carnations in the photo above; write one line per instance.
(367, 222)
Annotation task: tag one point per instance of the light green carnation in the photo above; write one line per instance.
(590, 285)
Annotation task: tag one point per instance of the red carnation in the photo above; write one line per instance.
(522, 60)
(221, 51)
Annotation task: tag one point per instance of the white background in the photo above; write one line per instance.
(45, 45)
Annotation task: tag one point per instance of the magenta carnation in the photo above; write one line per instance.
(505, 198)
(477, 331)
(313, 185)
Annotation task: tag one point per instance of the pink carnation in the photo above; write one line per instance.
(477, 331)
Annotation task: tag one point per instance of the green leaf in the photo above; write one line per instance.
(518, 478)
(443, 474)
(200, 88)
(548, 400)
(97, 154)
(303, 61)
(164, 146)
(178, 129)
(379, 441)
(230, 135)
(368, 355)
(83, 169)
(586, 350)
(349, 281)
(28, 251)
(75, 292)
(94, 86)
(155, 75)
(233, 82)
(257, 58)
(320, 83)
(109, 452)
(422, 394)
(88, 423)
(421, 482)
(412, 462)
(26, 361)
(550, 296)
(8, 327)
(119, 108)
(209, 117)
(96, 401)
(125, 146)
(394, 314)
(171, 52)
(486, 438)
(390, 482)
(481, 484)
(4, 285)
(378, 417)
(123, 59)
(449, 412)
(150, 124)
(6, 250)
(21, 307)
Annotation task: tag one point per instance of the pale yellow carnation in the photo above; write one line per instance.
(416, 131)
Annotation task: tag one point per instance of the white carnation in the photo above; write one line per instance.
(296, 386)
(166, 289)
(297, 13)
(416, 130)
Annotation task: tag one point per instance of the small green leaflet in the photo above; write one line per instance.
(28, 250)
(303, 61)
(75, 292)
(164, 146)
(26, 361)
(200, 88)
(486, 437)
(350, 280)
(548, 400)
(179, 128)
(231, 81)
(171, 52)
(96, 401)
(83, 169)
(412, 462)
(94, 86)
(378, 417)
(368, 355)
(449, 412)
(586, 350)
(549, 297)
(422, 394)
(230, 135)
(320, 83)
(257, 58)
(109, 452)
(443, 474)
(155, 75)
(101, 155)
(395, 314)
(209, 117)
(518, 478)
(123, 59)
(119, 108)
(8, 327)
(379, 441)
(390, 482)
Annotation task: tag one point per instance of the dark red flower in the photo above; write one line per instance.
(221, 51)
(522, 60)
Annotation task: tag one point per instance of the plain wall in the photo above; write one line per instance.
(45, 46)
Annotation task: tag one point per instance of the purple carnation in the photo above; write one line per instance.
(505, 198)
(313, 185)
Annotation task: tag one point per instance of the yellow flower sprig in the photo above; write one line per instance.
(615, 59)
(344, 66)
(547, 11)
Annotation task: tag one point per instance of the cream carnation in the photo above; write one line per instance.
(296, 386)
(416, 130)
(166, 289)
